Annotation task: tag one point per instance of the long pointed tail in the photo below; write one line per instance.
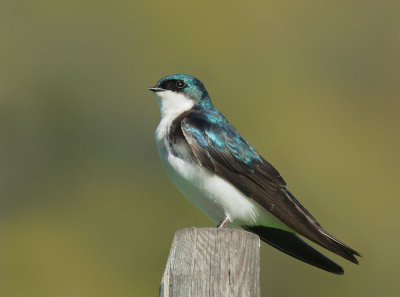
(294, 246)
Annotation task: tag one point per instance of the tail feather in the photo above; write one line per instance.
(294, 246)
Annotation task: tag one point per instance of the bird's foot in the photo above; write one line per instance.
(223, 223)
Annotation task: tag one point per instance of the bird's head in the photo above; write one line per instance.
(179, 92)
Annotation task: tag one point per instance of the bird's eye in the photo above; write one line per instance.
(180, 84)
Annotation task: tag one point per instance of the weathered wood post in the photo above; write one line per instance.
(212, 262)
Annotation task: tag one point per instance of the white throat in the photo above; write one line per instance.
(171, 104)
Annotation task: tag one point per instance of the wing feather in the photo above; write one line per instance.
(221, 149)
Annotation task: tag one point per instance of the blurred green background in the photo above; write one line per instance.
(85, 206)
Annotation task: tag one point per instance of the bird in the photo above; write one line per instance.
(219, 172)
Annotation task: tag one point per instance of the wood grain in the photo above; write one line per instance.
(212, 262)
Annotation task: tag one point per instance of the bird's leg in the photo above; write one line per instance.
(223, 223)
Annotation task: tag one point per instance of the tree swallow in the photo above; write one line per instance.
(224, 176)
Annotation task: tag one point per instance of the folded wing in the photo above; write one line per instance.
(220, 148)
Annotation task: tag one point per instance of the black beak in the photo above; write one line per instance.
(156, 89)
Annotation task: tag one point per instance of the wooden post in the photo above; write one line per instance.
(212, 262)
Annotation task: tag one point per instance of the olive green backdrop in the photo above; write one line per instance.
(85, 206)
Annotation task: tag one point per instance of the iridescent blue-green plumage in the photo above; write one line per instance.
(216, 132)
(195, 88)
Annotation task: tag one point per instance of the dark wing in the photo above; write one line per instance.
(217, 146)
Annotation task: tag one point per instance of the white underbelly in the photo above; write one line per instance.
(211, 194)
(215, 196)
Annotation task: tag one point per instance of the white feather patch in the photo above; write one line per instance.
(171, 104)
